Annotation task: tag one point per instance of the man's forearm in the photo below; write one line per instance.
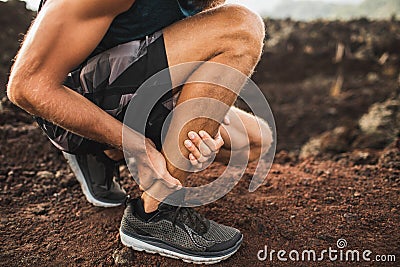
(75, 113)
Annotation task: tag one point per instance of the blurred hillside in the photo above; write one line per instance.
(324, 74)
(307, 10)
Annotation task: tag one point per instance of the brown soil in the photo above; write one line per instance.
(45, 220)
(304, 204)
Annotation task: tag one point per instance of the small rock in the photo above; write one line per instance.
(372, 77)
(311, 148)
(28, 173)
(332, 111)
(357, 194)
(384, 58)
(40, 209)
(329, 200)
(335, 141)
(68, 181)
(45, 175)
(306, 181)
(380, 126)
(124, 257)
(59, 174)
(4, 221)
(51, 246)
(363, 158)
(350, 216)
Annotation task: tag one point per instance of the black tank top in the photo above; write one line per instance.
(144, 18)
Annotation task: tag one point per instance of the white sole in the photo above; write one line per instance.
(73, 163)
(143, 246)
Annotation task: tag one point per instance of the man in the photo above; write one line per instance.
(81, 64)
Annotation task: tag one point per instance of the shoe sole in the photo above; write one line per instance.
(140, 245)
(74, 165)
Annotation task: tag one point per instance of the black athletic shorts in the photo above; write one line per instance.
(110, 80)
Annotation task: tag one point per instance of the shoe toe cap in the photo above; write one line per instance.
(233, 242)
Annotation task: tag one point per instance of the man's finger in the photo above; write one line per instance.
(193, 149)
(197, 166)
(195, 163)
(219, 142)
(208, 140)
(213, 143)
(226, 121)
(203, 159)
(200, 144)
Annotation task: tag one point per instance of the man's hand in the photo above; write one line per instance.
(153, 167)
(203, 148)
(153, 176)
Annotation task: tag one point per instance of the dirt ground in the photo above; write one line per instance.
(46, 221)
(305, 203)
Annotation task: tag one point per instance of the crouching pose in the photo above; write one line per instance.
(79, 68)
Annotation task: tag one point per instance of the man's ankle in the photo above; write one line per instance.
(149, 204)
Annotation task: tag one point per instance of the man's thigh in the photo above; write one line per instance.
(208, 34)
(110, 80)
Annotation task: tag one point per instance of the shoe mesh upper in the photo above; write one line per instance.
(176, 235)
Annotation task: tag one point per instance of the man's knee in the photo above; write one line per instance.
(245, 21)
(244, 38)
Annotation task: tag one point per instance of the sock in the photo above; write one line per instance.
(141, 212)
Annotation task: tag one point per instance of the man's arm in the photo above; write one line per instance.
(63, 35)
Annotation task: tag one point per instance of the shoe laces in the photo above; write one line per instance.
(191, 218)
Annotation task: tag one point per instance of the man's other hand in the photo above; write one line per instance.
(203, 148)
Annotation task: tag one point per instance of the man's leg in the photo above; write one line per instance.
(97, 174)
(247, 136)
(229, 35)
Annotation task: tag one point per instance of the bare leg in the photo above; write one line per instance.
(229, 35)
(245, 130)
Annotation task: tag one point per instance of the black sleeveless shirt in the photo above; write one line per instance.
(143, 18)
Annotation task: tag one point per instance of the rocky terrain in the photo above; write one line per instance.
(334, 91)
(307, 10)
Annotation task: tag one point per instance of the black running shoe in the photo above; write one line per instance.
(96, 175)
(178, 232)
